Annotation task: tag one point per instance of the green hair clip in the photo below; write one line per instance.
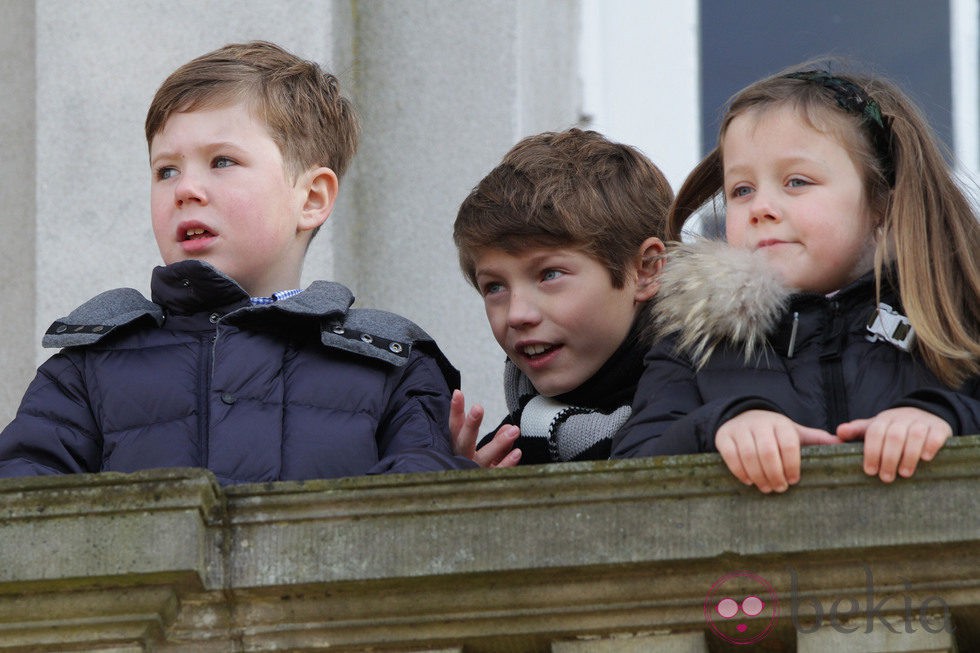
(852, 98)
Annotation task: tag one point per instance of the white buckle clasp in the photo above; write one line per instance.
(888, 324)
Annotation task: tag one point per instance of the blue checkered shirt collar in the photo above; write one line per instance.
(276, 297)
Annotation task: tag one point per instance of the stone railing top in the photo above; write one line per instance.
(661, 509)
(553, 551)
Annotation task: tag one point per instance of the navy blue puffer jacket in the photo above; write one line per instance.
(303, 388)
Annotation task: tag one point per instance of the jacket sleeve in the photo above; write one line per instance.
(961, 409)
(670, 416)
(414, 433)
(54, 431)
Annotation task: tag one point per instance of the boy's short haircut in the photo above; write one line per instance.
(300, 104)
(566, 189)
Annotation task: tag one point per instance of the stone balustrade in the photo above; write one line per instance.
(649, 555)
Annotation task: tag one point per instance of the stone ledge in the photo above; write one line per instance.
(77, 531)
(667, 509)
(485, 560)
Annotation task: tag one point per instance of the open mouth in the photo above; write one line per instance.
(196, 234)
(537, 350)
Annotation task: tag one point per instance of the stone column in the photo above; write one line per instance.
(17, 217)
(444, 90)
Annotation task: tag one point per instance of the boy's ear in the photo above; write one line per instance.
(320, 186)
(649, 262)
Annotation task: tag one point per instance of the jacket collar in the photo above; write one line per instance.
(195, 286)
(713, 294)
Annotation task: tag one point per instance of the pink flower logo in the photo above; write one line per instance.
(741, 608)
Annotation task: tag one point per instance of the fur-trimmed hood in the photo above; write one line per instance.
(711, 293)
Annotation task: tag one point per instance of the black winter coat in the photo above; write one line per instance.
(830, 374)
(303, 388)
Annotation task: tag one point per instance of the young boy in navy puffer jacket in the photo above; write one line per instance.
(230, 366)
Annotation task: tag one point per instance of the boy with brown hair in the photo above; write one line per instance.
(231, 367)
(563, 241)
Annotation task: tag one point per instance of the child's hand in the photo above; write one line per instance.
(464, 428)
(897, 439)
(762, 448)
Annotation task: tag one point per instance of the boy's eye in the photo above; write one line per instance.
(796, 182)
(549, 275)
(222, 162)
(166, 172)
(492, 288)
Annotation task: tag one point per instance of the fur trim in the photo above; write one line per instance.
(711, 293)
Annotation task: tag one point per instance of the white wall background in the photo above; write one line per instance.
(640, 72)
(965, 58)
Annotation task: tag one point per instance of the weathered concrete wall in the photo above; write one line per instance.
(17, 199)
(589, 557)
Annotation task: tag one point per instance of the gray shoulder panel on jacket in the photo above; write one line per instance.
(320, 298)
(100, 316)
(376, 334)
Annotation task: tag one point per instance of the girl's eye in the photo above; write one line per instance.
(741, 191)
(549, 275)
(222, 162)
(796, 182)
(166, 172)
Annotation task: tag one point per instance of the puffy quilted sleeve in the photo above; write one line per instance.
(414, 433)
(54, 431)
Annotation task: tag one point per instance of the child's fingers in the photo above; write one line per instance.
(935, 439)
(892, 445)
(756, 455)
(898, 438)
(464, 439)
(924, 443)
(457, 413)
(809, 436)
(511, 459)
(726, 446)
(873, 443)
(495, 452)
(912, 453)
(853, 430)
(762, 448)
(770, 445)
(789, 440)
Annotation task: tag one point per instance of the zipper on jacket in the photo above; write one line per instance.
(204, 396)
(832, 369)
